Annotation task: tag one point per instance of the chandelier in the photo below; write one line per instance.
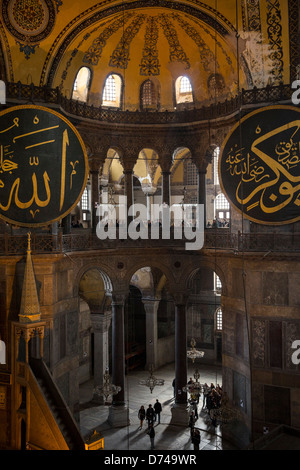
(194, 353)
(107, 389)
(194, 388)
(151, 381)
(225, 413)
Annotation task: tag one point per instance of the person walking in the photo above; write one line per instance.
(151, 433)
(196, 438)
(142, 415)
(150, 415)
(157, 409)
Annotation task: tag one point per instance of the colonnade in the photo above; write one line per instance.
(118, 414)
(96, 164)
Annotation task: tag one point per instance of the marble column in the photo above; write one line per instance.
(151, 307)
(95, 197)
(118, 413)
(100, 323)
(66, 224)
(202, 191)
(179, 410)
(128, 186)
(166, 188)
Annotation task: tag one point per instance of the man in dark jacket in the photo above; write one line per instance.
(196, 438)
(157, 409)
(151, 433)
(150, 415)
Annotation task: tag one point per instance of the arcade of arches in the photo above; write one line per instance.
(153, 88)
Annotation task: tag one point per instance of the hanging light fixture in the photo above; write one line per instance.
(107, 389)
(194, 353)
(151, 381)
(194, 388)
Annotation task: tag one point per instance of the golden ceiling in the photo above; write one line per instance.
(47, 41)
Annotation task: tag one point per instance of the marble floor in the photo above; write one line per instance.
(167, 436)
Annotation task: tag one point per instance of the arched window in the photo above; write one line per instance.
(219, 319)
(85, 200)
(148, 95)
(82, 84)
(112, 91)
(191, 174)
(222, 209)
(184, 91)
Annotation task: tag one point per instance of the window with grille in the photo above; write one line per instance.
(109, 92)
(184, 91)
(221, 202)
(218, 284)
(185, 85)
(191, 173)
(148, 93)
(222, 207)
(85, 200)
(219, 319)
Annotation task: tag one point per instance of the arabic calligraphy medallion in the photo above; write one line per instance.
(259, 165)
(43, 166)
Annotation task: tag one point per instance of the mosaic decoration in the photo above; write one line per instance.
(93, 55)
(251, 12)
(120, 56)
(150, 62)
(252, 56)
(259, 165)
(58, 4)
(275, 39)
(73, 54)
(177, 53)
(29, 21)
(217, 42)
(209, 17)
(27, 49)
(206, 55)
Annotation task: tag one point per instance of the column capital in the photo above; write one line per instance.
(95, 163)
(119, 298)
(101, 322)
(180, 298)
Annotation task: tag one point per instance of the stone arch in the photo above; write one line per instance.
(153, 265)
(213, 265)
(106, 278)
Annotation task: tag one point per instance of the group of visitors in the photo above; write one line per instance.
(212, 396)
(151, 415)
(217, 223)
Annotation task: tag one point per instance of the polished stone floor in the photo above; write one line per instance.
(167, 436)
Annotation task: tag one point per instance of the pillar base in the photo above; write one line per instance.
(180, 415)
(118, 416)
(99, 400)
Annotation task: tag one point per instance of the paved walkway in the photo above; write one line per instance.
(167, 436)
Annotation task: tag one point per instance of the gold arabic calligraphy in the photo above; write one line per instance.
(271, 177)
(7, 165)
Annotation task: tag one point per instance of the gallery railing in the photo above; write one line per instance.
(85, 240)
(43, 94)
